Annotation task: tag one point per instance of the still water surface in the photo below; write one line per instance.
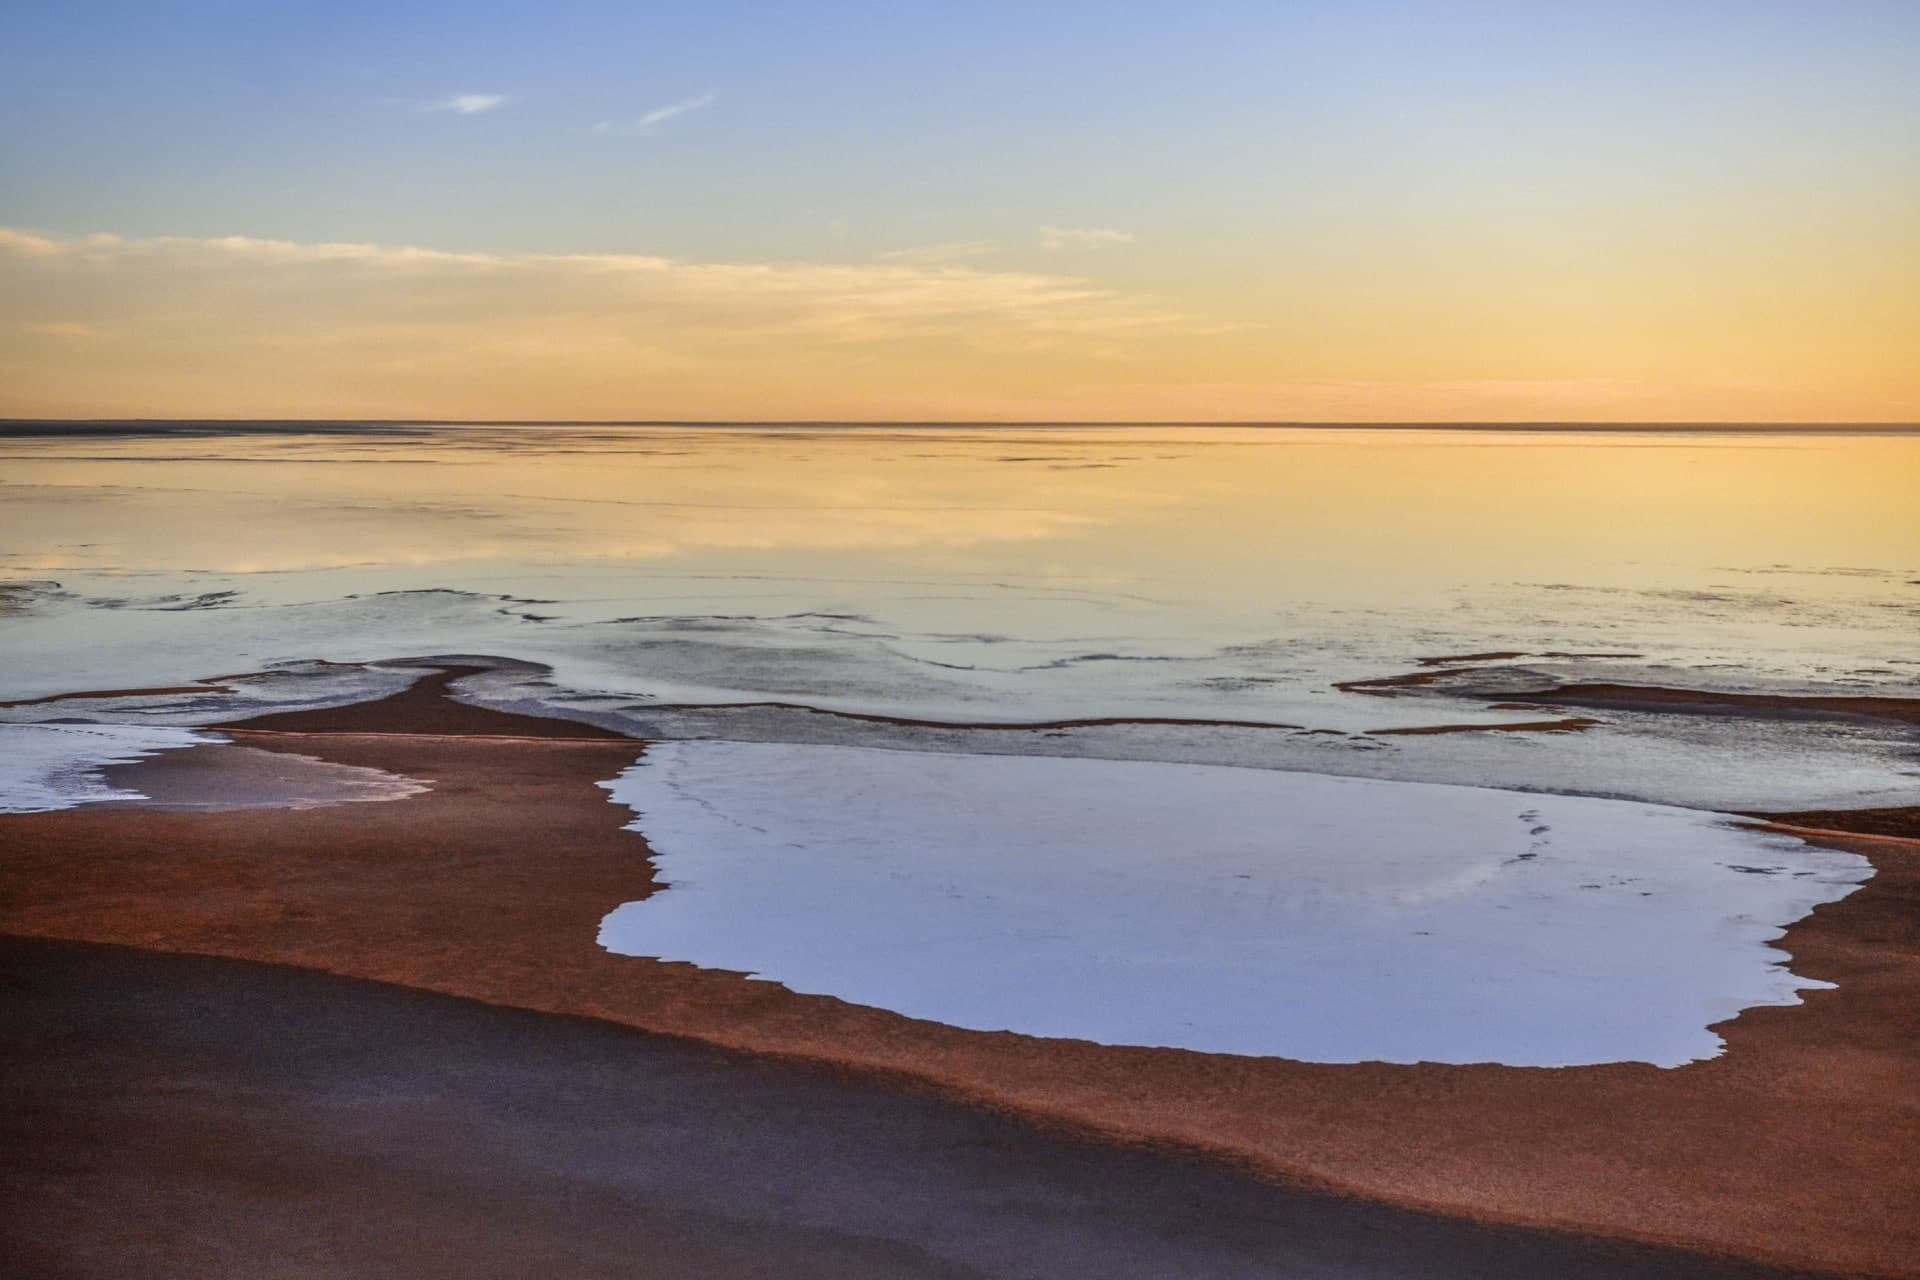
(1013, 575)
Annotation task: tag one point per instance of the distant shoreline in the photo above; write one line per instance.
(63, 426)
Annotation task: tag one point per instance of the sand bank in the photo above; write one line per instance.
(1795, 1147)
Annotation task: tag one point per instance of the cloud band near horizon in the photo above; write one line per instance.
(104, 325)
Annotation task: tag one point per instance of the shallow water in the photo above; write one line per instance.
(1169, 597)
(968, 575)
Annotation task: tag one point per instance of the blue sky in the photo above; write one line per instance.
(909, 122)
(1239, 152)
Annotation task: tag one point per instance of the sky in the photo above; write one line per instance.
(1696, 210)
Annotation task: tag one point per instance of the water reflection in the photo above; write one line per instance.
(977, 575)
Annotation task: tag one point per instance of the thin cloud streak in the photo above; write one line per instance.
(1083, 237)
(468, 104)
(653, 119)
(946, 251)
(69, 329)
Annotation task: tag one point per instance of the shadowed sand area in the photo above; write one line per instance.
(1794, 1147)
(279, 1122)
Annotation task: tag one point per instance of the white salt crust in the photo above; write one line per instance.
(1225, 910)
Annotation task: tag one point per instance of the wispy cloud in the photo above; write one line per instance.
(1082, 237)
(72, 330)
(281, 324)
(25, 244)
(672, 109)
(653, 119)
(946, 251)
(839, 301)
(469, 104)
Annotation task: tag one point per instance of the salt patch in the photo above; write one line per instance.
(1227, 910)
(57, 766)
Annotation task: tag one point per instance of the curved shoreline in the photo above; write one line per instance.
(1779, 706)
(1436, 671)
(490, 886)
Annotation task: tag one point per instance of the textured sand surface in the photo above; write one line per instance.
(279, 1123)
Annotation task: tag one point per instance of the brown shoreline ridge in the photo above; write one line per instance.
(425, 708)
(1898, 823)
(1571, 724)
(1641, 697)
(457, 671)
(910, 722)
(1793, 1147)
(1505, 655)
(1411, 680)
(1650, 697)
(161, 691)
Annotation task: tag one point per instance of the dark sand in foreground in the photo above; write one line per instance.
(1795, 1147)
(174, 1115)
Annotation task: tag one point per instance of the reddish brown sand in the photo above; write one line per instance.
(1901, 823)
(1795, 1146)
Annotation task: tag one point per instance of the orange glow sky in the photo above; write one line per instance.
(1360, 212)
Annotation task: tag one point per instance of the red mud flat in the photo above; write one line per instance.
(1795, 1147)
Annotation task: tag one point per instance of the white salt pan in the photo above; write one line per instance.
(1219, 909)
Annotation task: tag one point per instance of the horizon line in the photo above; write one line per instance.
(1515, 424)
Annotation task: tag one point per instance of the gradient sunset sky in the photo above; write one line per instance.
(1569, 210)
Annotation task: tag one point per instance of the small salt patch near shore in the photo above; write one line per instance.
(57, 766)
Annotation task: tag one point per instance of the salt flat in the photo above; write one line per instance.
(1226, 910)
